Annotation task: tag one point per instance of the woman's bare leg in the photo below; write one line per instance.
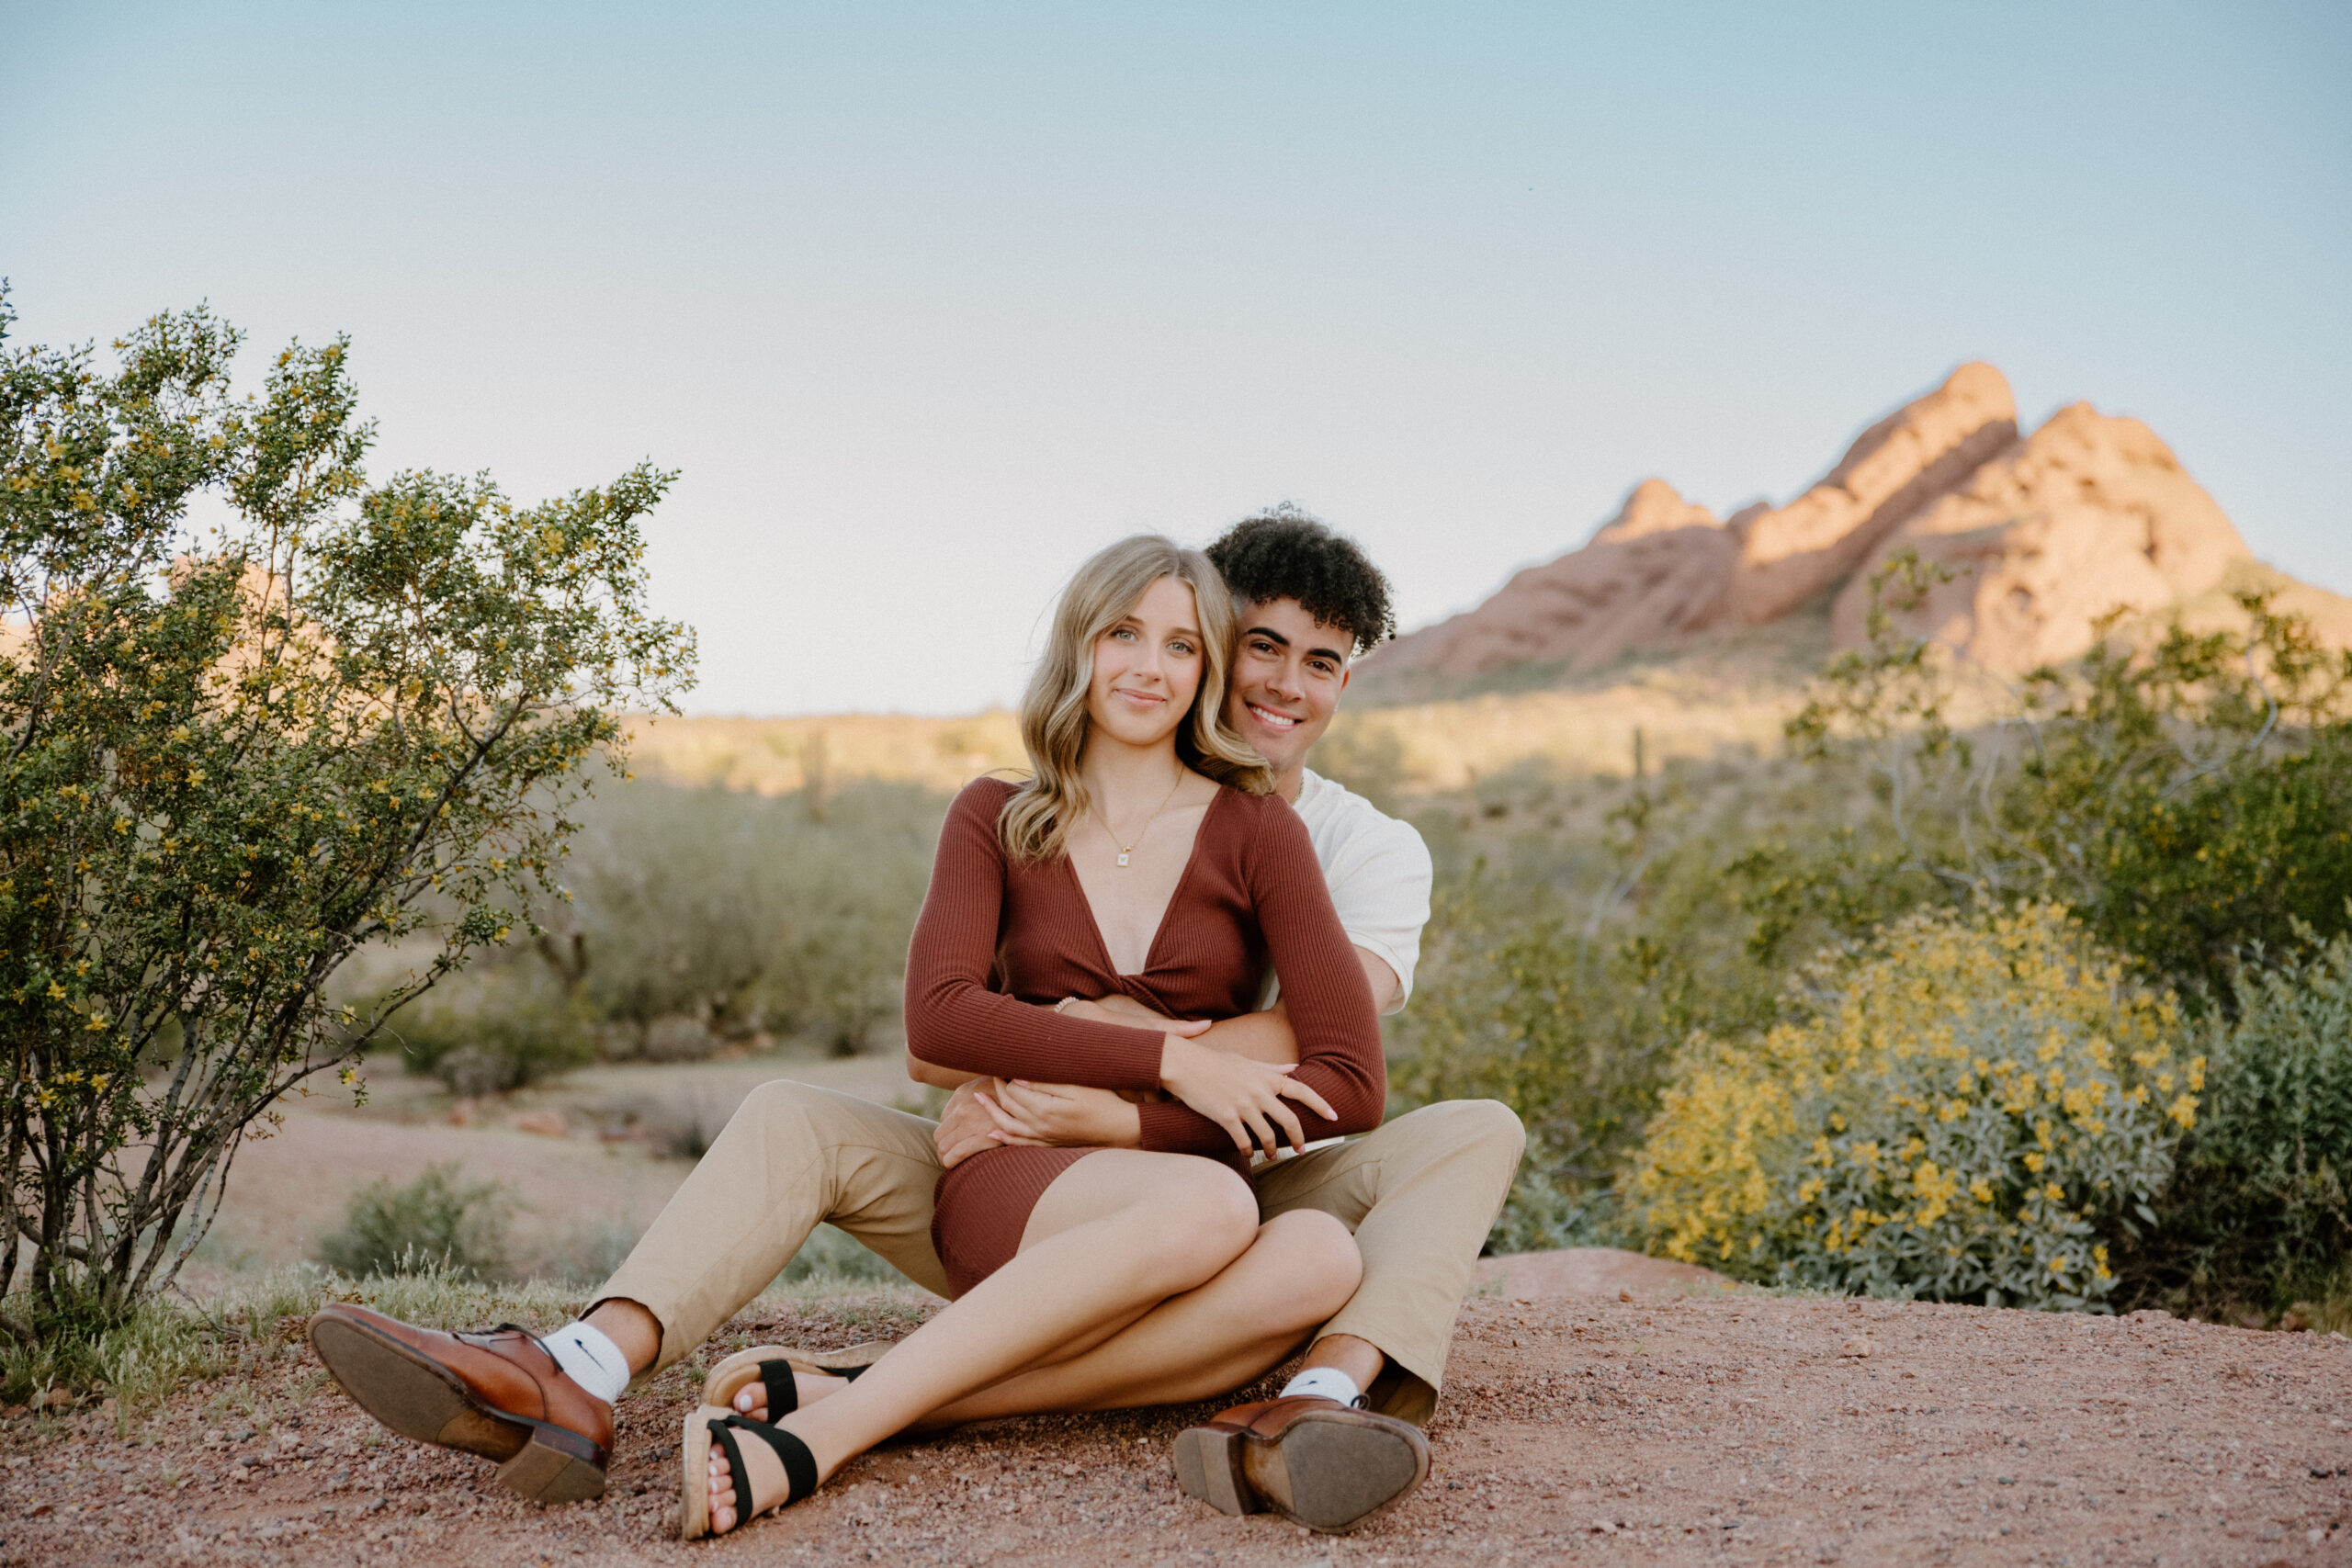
(1241, 1324)
(1117, 1232)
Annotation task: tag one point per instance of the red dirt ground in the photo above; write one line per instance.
(1710, 1428)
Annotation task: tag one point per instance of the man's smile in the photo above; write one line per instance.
(1270, 719)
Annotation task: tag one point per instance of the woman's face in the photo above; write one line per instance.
(1147, 668)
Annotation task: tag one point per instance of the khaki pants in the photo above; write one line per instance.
(1420, 1194)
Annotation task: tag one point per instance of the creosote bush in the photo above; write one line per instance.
(1967, 1112)
(2261, 1218)
(435, 1222)
(343, 714)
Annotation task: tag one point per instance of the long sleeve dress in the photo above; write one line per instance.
(999, 942)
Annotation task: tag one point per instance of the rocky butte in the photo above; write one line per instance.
(2043, 533)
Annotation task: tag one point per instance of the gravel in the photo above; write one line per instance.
(1704, 1430)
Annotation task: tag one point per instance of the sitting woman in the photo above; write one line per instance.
(1145, 858)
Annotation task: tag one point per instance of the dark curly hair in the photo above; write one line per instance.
(1286, 553)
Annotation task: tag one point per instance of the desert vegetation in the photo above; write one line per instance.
(2043, 1004)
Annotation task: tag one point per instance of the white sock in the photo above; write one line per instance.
(590, 1358)
(1326, 1382)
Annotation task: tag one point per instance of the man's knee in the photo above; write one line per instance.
(784, 1102)
(1483, 1127)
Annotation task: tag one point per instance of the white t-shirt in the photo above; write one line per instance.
(1378, 871)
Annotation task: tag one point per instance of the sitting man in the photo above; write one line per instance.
(1421, 1192)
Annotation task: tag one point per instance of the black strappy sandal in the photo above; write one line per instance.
(708, 1425)
(771, 1367)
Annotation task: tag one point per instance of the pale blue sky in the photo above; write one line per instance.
(929, 300)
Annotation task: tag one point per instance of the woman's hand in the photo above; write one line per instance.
(1062, 1115)
(1243, 1097)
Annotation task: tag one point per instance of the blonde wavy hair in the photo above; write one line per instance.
(1054, 722)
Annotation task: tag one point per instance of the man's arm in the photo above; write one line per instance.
(935, 1075)
(1267, 1036)
(966, 1127)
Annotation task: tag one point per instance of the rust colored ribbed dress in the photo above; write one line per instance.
(1000, 942)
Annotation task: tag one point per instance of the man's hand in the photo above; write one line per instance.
(1062, 1115)
(965, 1126)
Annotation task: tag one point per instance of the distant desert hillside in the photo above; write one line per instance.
(1696, 632)
(2043, 533)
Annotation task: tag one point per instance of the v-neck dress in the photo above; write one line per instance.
(999, 942)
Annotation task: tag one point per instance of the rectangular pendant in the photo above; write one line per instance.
(1122, 857)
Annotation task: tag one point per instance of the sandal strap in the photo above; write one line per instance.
(784, 1388)
(799, 1464)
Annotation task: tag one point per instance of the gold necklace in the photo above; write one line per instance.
(1126, 850)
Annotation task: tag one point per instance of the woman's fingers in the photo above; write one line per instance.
(1304, 1094)
(1286, 1119)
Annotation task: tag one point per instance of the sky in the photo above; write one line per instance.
(925, 302)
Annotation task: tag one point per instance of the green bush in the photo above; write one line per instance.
(2186, 795)
(1968, 1112)
(503, 1028)
(433, 1223)
(742, 913)
(2260, 1218)
(1580, 930)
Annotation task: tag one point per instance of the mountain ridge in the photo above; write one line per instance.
(2040, 533)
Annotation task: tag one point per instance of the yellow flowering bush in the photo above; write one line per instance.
(1964, 1109)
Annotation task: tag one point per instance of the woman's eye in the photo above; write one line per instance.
(1181, 647)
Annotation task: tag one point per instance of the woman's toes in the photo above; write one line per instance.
(752, 1404)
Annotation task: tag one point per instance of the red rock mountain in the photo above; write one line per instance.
(2045, 533)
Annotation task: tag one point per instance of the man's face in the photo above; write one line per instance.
(1288, 672)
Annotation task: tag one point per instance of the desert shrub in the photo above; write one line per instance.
(2188, 795)
(499, 1029)
(433, 1223)
(1564, 965)
(2259, 1218)
(741, 912)
(321, 717)
(1967, 1111)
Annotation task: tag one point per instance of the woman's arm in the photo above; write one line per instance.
(1327, 1001)
(955, 1021)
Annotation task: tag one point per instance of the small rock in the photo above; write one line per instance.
(57, 1399)
(544, 1124)
(1624, 1295)
(1858, 1347)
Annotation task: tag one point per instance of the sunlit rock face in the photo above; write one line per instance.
(1653, 572)
(2088, 514)
(1914, 455)
(2043, 533)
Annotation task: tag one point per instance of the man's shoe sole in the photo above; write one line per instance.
(1330, 1473)
(418, 1397)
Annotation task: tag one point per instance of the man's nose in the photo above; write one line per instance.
(1285, 683)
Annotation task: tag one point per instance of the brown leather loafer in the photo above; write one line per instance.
(1313, 1460)
(498, 1395)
